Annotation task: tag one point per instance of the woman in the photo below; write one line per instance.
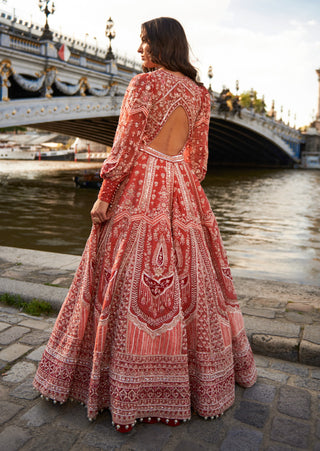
(151, 326)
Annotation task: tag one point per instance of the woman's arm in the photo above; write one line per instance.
(132, 121)
(99, 211)
(196, 151)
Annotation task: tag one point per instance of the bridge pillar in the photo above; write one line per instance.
(318, 112)
(4, 40)
(48, 49)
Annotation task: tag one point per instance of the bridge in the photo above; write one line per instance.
(81, 96)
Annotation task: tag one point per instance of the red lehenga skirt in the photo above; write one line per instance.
(151, 326)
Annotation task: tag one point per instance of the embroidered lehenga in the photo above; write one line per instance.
(151, 326)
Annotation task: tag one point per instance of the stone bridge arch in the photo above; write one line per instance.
(82, 97)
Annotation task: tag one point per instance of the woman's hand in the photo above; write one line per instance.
(99, 211)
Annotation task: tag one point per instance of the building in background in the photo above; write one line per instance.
(310, 156)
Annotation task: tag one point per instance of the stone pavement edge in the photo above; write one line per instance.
(282, 319)
(281, 412)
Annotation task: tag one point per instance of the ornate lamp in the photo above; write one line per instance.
(263, 105)
(210, 76)
(237, 86)
(44, 7)
(251, 99)
(96, 41)
(111, 34)
(273, 110)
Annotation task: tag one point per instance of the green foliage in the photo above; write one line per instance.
(245, 99)
(259, 106)
(10, 299)
(248, 100)
(36, 307)
(13, 129)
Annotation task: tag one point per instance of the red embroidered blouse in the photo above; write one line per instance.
(149, 100)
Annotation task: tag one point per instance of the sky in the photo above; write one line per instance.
(271, 46)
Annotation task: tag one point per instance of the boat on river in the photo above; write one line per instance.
(91, 156)
(88, 180)
(67, 154)
(32, 145)
(14, 152)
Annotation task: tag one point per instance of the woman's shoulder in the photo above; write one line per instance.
(160, 80)
(204, 95)
(139, 90)
(178, 76)
(204, 91)
(140, 80)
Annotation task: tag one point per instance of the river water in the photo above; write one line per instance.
(269, 219)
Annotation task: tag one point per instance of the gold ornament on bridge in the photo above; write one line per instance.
(83, 83)
(5, 72)
(50, 73)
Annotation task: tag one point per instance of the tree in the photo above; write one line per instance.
(249, 99)
(13, 129)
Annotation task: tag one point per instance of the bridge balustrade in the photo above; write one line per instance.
(277, 132)
(25, 45)
(82, 96)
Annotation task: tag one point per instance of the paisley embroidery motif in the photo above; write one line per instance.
(160, 257)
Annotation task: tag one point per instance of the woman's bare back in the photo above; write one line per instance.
(174, 133)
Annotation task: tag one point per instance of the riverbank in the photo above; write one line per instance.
(268, 220)
(282, 319)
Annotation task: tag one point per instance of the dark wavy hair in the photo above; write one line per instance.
(169, 46)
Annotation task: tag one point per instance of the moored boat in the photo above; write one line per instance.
(67, 154)
(88, 180)
(91, 156)
(12, 152)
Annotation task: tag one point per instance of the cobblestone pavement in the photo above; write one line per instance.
(282, 319)
(281, 412)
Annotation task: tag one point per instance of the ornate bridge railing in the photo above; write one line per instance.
(82, 97)
(29, 64)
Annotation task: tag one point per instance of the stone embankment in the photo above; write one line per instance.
(282, 319)
(281, 412)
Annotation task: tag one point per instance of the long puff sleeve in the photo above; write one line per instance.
(196, 151)
(132, 121)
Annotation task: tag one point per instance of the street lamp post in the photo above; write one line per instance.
(110, 34)
(44, 7)
(272, 110)
(96, 42)
(263, 106)
(30, 28)
(237, 86)
(85, 41)
(210, 76)
(251, 101)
